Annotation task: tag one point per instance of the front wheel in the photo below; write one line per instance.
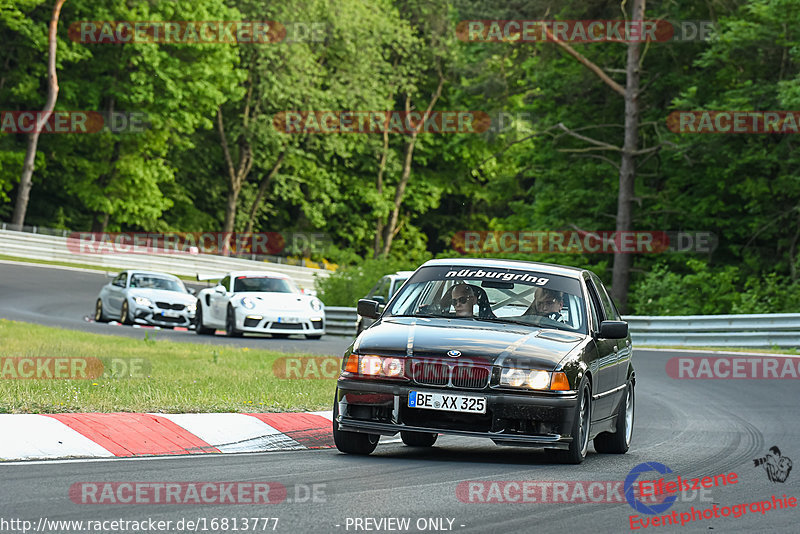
(230, 324)
(124, 314)
(199, 328)
(418, 439)
(99, 314)
(619, 441)
(351, 442)
(581, 427)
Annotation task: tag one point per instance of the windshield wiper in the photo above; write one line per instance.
(506, 321)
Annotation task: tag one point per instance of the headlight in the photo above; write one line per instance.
(377, 366)
(248, 303)
(316, 305)
(534, 379)
(142, 301)
(191, 308)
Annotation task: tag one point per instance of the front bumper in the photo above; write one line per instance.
(512, 418)
(158, 317)
(259, 323)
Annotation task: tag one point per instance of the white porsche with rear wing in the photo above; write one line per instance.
(259, 302)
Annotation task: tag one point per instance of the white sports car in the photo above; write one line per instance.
(145, 297)
(260, 302)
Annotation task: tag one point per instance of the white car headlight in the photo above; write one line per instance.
(142, 301)
(316, 305)
(248, 303)
(191, 308)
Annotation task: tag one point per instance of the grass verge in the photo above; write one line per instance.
(168, 377)
(788, 350)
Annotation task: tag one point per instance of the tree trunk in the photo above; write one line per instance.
(391, 225)
(262, 189)
(25, 181)
(376, 247)
(627, 172)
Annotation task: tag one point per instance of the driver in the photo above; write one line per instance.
(546, 303)
(463, 300)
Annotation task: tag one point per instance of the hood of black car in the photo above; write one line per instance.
(476, 341)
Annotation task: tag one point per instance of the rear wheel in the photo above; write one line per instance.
(418, 439)
(581, 427)
(619, 441)
(351, 442)
(99, 314)
(230, 324)
(124, 314)
(200, 329)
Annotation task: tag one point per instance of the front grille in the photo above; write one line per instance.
(431, 373)
(468, 376)
(170, 306)
(287, 326)
(169, 319)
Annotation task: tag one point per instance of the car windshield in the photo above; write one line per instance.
(263, 284)
(496, 295)
(149, 281)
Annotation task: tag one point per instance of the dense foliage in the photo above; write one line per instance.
(416, 193)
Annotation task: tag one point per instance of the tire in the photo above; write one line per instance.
(314, 336)
(199, 329)
(99, 314)
(418, 439)
(230, 324)
(124, 314)
(581, 427)
(619, 441)
(351, 442)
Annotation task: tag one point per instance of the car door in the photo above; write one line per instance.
(116, 293)
(624, 349)
(218, 302)
(604, 367)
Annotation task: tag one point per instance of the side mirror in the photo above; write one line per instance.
(368, 308)
(613, 329)
(191, 290)
(220, 290)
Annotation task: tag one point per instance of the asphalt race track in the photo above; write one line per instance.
(695, 427)
(65, 298)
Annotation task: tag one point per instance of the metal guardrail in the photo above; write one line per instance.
(340, 321)
(55, 248)
(753, 330)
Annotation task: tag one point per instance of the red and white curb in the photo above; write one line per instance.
(104, 435)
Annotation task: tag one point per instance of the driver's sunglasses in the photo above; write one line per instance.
(461, 300)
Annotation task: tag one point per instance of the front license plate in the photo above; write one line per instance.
(170, 313)
(288, 320)
(448, 403)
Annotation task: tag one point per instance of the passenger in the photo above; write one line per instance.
(546, 303)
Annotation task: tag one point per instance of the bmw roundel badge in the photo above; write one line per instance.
(454, 353)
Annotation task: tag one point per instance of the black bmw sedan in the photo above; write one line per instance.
(525, 354)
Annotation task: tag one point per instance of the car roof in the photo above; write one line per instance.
(154, 273)
(270, 274)
(402, 274)
(549, 268)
